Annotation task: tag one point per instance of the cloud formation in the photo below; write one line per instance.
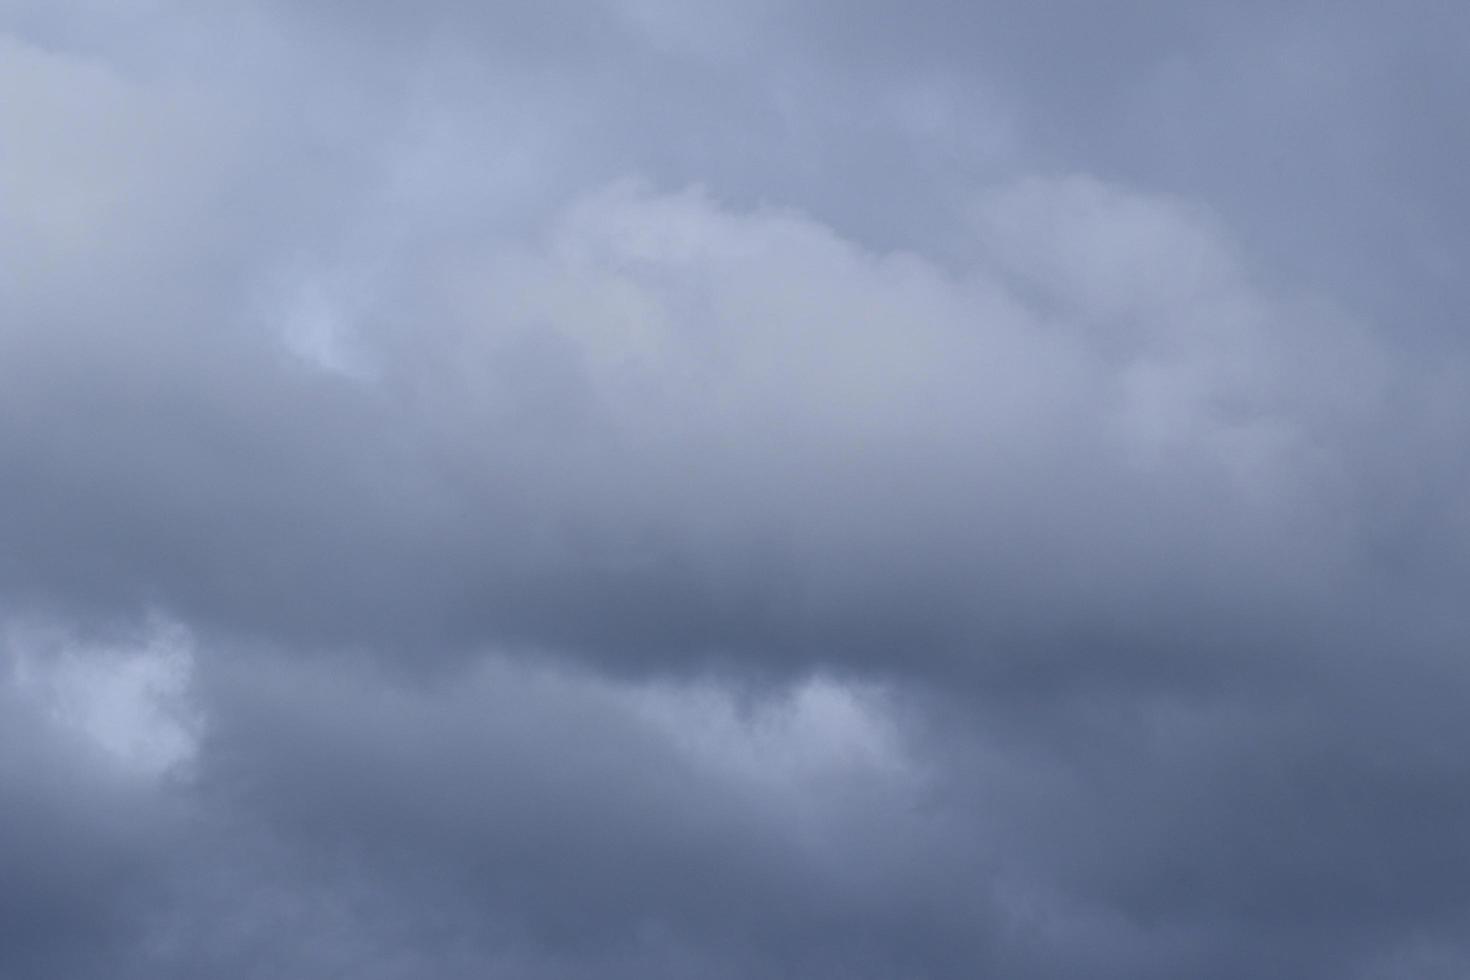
(743, 490)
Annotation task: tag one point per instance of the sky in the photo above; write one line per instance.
(711, 489)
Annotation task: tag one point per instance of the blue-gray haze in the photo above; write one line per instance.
(734, 489)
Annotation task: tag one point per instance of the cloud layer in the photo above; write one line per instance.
(742, 490)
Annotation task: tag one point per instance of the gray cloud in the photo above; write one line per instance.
(625, 489)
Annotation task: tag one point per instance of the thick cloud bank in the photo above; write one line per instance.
(635, 489)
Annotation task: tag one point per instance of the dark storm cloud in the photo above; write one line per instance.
(748, 490)
(82, 850)
(559, 817)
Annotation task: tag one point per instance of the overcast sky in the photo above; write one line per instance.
(734, 489)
